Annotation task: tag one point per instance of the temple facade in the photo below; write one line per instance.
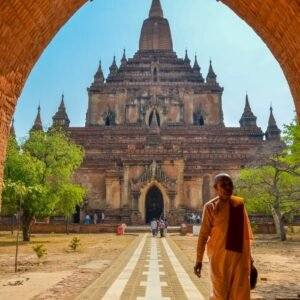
(154, 136)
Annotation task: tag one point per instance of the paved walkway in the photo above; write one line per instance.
(149, 269)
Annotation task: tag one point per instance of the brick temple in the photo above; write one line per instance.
(154, 136)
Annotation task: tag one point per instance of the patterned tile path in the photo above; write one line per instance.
(149, 269)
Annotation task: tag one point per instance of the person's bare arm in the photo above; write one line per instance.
(202, 239)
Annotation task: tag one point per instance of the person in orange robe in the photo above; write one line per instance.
(226, 230)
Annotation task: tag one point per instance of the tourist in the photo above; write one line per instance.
(153, 225)
(102, 217)
(95, 218)
(226, 230)
(166, 227)
(198, 219)
(87, 219)
(161, 227)
(193, 218)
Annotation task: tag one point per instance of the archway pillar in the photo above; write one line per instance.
(179, 200)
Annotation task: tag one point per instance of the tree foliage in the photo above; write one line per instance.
(39, 174)
(292, 139)
(271, 182)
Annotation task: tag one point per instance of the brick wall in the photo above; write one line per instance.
(61, 228)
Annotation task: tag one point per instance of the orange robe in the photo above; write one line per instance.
(229, 270)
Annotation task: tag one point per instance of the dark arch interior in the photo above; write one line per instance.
(154, 114)
(155, 75)
(154, 204)
(107, 121)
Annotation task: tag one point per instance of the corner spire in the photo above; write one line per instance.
(272, 121)
(113, 68)
(186, 58)
(273, 132)
(62, 104)
(211, 75)
(248, 118)
(113, 71)
(38, 125)
(123, 60)
(61, 119)
(196, 65)
(156, 10)
(197, 76)
(99, 77)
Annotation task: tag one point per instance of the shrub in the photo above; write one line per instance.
(40, 251)
(75, 243)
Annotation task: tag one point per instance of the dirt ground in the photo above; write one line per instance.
(278, 263)
(62, 273)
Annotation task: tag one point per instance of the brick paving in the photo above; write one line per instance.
(159, 271)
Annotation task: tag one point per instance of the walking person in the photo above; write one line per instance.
(166, 227)
(102, 217)
(153, 225)
(95, 218)
(161, 227)
(226, 231)
(87, 219)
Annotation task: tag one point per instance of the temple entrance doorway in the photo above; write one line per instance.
(154, 204)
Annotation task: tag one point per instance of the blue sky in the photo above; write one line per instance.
(101, 29)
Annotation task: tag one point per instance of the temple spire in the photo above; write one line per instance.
(272, 121)
(211, 75)
(123, 60)
(196, 71)
(38, 125)
(114, 67)
(186, 58)
(99, 77)
(61, 119)
(248, 118)
(113, 70)
(196, 65)
(62, 107)
(273, 132)
(156, 10)
(156, 32)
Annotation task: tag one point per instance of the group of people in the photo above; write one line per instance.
(96, 217)
(193, 218)
(160, 225)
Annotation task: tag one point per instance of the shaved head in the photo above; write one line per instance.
(222, 176)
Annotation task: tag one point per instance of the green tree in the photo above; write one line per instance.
(271, 182)
(292, 139)
(269, 189)
(44, 164)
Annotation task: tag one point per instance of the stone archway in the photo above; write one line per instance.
(153, 185)
(154, 204)
(27, 27)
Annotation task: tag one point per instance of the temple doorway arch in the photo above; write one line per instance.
(154, 204)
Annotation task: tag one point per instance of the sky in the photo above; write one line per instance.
(102, 29)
